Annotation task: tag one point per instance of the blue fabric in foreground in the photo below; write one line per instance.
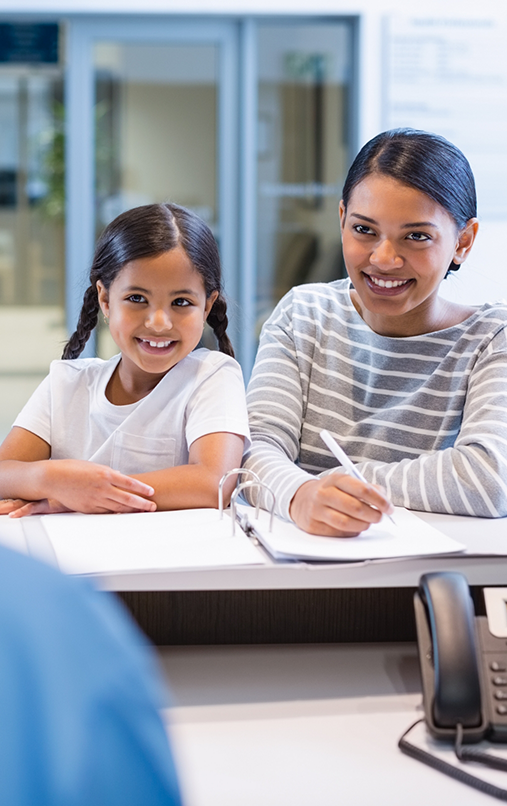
(79, 697)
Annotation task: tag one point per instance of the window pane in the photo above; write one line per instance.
(303, 152)
(32, 321)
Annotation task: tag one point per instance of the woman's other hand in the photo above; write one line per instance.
(338, 505)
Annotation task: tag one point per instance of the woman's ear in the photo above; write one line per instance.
(466, 240)
(210, 301)
(343, 213)
(103, 297)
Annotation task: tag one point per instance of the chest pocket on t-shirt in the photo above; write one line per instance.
(133, 453)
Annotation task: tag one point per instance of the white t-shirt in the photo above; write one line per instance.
(203, 394)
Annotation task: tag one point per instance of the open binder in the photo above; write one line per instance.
(210, 538)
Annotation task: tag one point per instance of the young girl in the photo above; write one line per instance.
(156, 426)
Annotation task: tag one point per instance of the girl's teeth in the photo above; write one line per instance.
(388, 283)
(159, 343)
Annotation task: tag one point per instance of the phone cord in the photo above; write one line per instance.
(471, 754)
(449, 769)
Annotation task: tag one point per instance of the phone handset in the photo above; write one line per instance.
(454, 656)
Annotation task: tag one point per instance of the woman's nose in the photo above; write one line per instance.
(384, 256)
(159, 320)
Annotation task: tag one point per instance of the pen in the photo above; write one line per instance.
(342, 457)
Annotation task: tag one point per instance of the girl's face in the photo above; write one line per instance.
(398, 245)
(156, 307)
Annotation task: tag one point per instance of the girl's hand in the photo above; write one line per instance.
(338, 505)
(82, 486)
(19, 507)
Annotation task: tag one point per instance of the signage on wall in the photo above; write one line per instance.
(449, 76)
(29, 43)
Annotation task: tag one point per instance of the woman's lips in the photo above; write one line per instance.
(390, 287)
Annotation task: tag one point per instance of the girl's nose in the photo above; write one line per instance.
(384, 256)
(159, 320)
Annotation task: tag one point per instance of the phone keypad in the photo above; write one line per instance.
(495, 680)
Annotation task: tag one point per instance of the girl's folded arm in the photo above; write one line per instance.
(196, 484)
(27, 473)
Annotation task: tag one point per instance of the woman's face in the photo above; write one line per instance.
(398, 245)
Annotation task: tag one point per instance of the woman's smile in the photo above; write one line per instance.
(387, 286)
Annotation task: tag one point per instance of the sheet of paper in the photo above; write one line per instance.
(409, 536)
(12, 535)
(147, 541)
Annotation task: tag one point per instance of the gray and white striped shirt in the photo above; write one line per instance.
(425, 416)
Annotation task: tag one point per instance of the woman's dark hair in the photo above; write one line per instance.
(424, 161)
(149, 231)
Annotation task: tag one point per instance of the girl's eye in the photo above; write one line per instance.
(362, 229)
(136, 298)
(180, 302)
(418, 236)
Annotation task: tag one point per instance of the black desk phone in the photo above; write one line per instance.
(463, 664)
(463, 659)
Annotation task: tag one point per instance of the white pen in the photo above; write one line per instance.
(342, 457)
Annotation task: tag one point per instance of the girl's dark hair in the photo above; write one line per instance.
(424, 161)
(149, 231)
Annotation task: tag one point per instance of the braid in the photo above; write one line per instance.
(87, 321)
(217, 319)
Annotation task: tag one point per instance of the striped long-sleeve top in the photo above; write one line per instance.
(424, 416)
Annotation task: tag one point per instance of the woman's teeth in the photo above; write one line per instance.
(388, 283)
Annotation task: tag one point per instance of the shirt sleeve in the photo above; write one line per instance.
(35, 416)
(469, 478)
(218, 404)
(276, 403)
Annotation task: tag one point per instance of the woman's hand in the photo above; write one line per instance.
(338, 505)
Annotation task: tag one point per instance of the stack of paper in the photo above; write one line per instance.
(147, 541)
(409, 536)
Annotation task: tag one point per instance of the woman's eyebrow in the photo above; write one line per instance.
(420, 224)
(403, 226)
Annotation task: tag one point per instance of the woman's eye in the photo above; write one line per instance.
(362, 229)
(181, 303)
(136, 298)
(418, 236)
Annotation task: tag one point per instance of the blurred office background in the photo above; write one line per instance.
(249, 119)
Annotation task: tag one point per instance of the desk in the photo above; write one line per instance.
(293, 602)
(301, 725)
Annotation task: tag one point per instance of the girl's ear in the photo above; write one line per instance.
(466, 240)
(210, 301)
(103, 297)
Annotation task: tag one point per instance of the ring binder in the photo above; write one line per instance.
(252, 484)
(238, 471)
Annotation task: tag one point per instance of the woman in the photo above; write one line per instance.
(412, 386)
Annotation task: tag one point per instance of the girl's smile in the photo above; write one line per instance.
(157, 307)
(398, 245)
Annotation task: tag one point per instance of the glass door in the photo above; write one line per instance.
(159, 103)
